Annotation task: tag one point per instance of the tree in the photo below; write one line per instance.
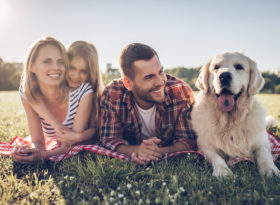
(9, 76)
(189, 75)
(277, 89)
(268, 86)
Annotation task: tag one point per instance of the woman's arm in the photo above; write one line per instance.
(23, 153)
(34, 125)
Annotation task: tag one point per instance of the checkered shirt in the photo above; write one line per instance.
(121, 123)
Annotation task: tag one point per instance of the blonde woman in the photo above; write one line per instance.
(43, 80)
(84, 67)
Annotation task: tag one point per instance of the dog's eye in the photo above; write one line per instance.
(238, 67)
(216, 67)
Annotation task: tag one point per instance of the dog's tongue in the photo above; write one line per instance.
(226, 102)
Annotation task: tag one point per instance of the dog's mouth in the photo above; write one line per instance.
(226, 100)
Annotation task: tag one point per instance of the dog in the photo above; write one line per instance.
(228, 119)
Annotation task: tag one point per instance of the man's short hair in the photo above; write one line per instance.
(132, 53)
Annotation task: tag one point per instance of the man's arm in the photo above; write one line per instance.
(144, 151)
(110, 129)
(175, 147)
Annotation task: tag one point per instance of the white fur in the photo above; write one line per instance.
(240, 132)
(270, 121)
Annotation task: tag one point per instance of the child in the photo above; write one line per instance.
(44, 81)
(83, 68)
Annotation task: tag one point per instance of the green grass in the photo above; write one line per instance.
(272, 105)
(91, 179)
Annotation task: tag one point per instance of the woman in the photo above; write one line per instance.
(83, 68)
(44, 81)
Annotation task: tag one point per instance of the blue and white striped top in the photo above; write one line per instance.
(75, 97)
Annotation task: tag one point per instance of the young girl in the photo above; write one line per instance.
(83, 68)
(44, 81)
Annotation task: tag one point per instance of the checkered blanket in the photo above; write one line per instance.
(51, 144)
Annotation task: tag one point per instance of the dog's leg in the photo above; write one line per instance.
(265, 161)
(220, 168)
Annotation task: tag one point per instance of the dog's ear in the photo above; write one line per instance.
(202, 80)
(256, 80)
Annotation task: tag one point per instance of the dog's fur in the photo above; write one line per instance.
(239, 131)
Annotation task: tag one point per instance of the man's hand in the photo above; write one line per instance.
(147, 151)
(135, 158)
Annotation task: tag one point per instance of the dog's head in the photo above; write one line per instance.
(228, 76)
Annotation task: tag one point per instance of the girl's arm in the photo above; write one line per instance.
(87, 136)
(79, 125)
(25, 154)
(79, 132)
(44, 112)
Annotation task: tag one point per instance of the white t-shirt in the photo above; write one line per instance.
(148, 121)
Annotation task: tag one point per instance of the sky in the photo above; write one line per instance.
(183, 32)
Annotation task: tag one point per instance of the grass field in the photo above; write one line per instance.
(92, 179)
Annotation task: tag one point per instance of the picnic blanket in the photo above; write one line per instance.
(52, 143)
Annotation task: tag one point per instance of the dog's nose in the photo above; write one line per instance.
(225, 78)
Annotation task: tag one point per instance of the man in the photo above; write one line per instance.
(145, 115)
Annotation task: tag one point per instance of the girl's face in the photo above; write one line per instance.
(49, 66)
(78, 72)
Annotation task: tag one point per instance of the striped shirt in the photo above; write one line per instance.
(75, 96)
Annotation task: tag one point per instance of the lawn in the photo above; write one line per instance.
(91, 179)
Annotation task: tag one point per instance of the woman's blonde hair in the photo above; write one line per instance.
(29, 82)
(88, 52)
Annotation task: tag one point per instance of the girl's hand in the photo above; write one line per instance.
(60, 129)
(69, 137)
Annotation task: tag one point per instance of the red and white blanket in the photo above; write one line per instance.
(51, 143)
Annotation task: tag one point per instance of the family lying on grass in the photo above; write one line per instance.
(144, 115)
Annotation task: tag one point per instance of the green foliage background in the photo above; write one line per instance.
(10, 76)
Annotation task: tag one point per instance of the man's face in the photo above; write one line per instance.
(148, 83)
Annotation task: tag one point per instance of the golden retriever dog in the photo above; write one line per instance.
(227, 118)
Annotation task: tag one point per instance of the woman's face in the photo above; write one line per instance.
(78, 72)
(49, 66)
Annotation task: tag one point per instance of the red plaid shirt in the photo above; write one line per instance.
(121, 123)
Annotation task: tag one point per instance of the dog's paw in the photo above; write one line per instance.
(221, 171)
(269, 170)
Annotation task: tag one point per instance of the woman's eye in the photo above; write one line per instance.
(47, 61)
(61, 62)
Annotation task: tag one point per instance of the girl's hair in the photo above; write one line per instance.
(88, 52)
(29, 81)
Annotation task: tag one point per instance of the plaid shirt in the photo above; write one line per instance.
(121, 123)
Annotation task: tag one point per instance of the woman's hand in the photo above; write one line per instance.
(26, 155)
